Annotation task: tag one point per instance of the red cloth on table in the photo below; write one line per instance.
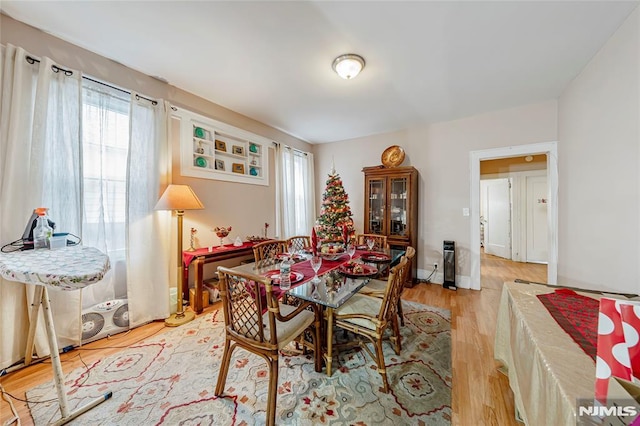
(577, 315)
(305, 269)
(188, 256)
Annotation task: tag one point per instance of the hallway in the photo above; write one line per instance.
(494, 271)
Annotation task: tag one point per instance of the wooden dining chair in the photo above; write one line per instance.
(263, 334)
(266, 252)
(377, 287)
(380, 241)
(299, 242)
(368, 317)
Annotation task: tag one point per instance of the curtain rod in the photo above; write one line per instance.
(291, 148)
(56, 68)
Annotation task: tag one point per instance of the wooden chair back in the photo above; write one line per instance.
(299, 242)
(389, 307)
(380, 241)
(266, 252)
(409, 254)
(244, 299)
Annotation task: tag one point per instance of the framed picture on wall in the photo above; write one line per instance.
(221, 145)
(238, 150)
(238, 168)
(220, 165)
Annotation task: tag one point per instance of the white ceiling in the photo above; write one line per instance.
(271, 60)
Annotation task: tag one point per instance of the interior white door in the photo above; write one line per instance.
(497, 228)
(537, 200)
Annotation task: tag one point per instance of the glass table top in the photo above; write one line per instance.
(332, 289)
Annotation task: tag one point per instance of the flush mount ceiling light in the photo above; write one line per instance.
(348, 66)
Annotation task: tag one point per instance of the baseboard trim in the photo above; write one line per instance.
(462, 281)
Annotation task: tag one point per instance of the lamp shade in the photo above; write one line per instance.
(179, 197)
(348, 66)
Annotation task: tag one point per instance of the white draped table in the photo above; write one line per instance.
(68, 268)
(548, 372)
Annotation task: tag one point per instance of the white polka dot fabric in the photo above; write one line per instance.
(618, 352)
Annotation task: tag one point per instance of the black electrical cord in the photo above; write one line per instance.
(85, 365)
(19, 244)
(428, 279)
(13, 246)
(27, 401)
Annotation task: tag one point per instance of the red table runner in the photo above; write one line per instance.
(577, 315)
(188, 256)
(305, 269)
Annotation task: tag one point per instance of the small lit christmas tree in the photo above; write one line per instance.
(335, 212)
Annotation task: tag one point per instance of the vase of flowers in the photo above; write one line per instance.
(221, 232)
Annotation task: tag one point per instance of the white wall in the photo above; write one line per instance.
(599, 168)
(440, 152)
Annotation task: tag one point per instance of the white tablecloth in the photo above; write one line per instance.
(547, 370)
(68, 268)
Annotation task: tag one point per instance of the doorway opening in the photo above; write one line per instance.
(549, 149)
(513, 208)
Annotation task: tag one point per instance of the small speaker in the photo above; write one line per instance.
(449, 264)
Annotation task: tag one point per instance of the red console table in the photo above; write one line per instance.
(201, 256)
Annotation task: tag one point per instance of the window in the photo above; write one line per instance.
(105, 147)
(297, 194)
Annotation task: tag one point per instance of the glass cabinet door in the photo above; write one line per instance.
(398, 206)
(375, 219)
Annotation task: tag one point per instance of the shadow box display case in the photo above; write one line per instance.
(212, 149)
(391, 206)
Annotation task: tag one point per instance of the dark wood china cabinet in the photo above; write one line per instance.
(391, 207)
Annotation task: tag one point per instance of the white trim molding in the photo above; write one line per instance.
(551, 150)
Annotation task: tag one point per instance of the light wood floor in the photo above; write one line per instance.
(481, 395)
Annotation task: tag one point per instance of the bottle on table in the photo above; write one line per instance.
(285, 274)
(42, 232)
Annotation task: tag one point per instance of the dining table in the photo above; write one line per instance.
(334, 286)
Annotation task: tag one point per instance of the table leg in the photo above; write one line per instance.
(58, 376)
(198, 266)
(328, 357)
(33, 322)
(317, 312)
(184, 291)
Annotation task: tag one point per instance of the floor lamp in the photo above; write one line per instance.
(179, 198)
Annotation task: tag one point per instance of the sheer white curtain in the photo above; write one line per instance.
(103, 189)
(148, 231)
(126, 161)
(39, 167)
(105, 143)
(296, 191)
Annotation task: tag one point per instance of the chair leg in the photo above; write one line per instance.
(397, 337)
(273, 390)
(400, 313)
(382, 369)
(224, 367)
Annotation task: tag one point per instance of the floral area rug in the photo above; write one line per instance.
(170, 378)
